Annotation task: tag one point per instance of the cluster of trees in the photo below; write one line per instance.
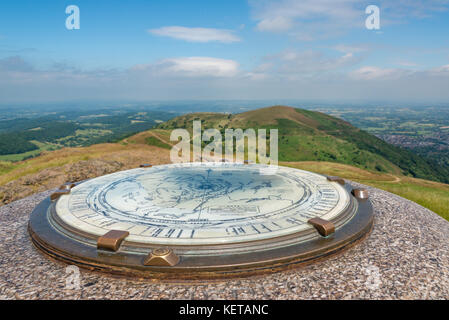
(410, 163)
(19, 141)
(16, 135)
(11, 144)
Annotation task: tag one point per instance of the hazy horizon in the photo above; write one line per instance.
(138, 51)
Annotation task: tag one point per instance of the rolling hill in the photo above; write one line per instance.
(307, 140)
(314, 136)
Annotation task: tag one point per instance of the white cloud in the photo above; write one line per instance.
(444, 68)
(200, 66)
(403, 74)
(196, 34)
(290, 75)
(408, 64)
(350, 49)
(297, 16)
(312, 19)
(302, 63)
(405, 9)
(189, 67)
(439, 72)
(371, 73)
(392, 74)
(257, 76)
(15, 63)
(275, 24)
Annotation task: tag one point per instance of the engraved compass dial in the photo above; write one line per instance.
(200, 220)
(198, 203)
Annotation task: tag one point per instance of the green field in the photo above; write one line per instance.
(42, 146)
(307, 140)
(22, 138)
(153, 141)
(422, 129)
(313, 136)
(431, 195)
(83, 136)
(328, 145)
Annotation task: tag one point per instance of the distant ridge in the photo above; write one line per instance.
(303, 135)
(313, 136)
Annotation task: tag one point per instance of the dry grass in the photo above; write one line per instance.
(140, 138)
(130, 154)
(429, 194)
(133, 151)
(265, 116)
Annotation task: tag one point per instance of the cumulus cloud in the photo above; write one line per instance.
(296, 64)
(371, 73)
(408, 64)
(442, 69)
(201, 66)
(190, 67)
(289, 74)
(15, 63)
(390, 74)
(275, 24)
(404, 9)
(351, 49)
(196, 34)
(300, 17)
(312, 19)
(182, 77)
(314, 61)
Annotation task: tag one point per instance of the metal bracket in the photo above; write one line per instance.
(360, 193)
(58, 193)
(336, 179)
(67, 186)
(112, 240)
(162, 257)
(324, 227)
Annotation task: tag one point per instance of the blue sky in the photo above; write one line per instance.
(163, 50)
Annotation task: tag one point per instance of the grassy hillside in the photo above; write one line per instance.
(313, 136)
(429, 194)
(23, 138)
(307, 140)
(49, 170)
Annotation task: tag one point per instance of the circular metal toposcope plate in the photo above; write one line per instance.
(200, 220)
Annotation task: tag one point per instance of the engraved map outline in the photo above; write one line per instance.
(89, 208)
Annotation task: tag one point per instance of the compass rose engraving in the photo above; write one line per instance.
(202, 203)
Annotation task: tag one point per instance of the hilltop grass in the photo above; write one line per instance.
(153, 141)
(435, 198)
(432, 195)
(6, 166)
(410, 164)
(12, 171)
(354, 164)
(307, 140)
(314, 136)
(429, 194)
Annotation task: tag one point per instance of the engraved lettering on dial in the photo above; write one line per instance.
(194, 203)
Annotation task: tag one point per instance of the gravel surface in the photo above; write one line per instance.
(405, 257)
